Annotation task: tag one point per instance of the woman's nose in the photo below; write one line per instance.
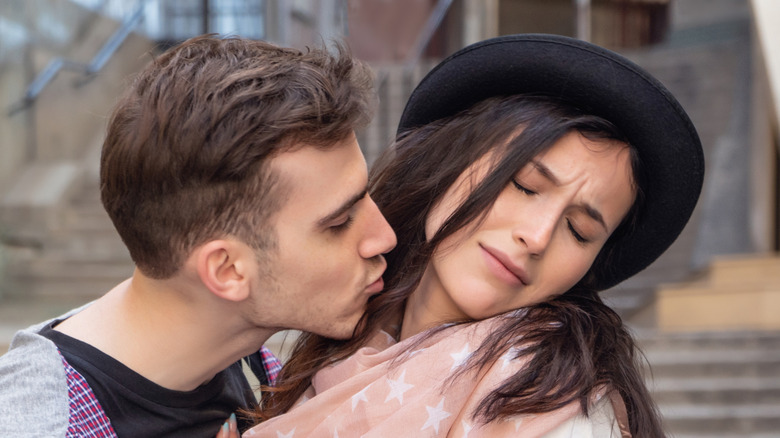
(535, 233)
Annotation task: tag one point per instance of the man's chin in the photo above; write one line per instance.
(341, 336)
(341, 332)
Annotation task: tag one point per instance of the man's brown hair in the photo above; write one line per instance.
(186, 155)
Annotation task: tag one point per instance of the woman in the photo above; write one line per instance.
(531, 171)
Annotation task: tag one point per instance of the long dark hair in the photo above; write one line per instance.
(579, 342)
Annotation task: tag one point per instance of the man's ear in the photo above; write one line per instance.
(224, 268)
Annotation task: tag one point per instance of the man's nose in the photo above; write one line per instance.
(380, 236)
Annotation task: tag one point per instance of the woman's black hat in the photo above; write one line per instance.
(599, 82)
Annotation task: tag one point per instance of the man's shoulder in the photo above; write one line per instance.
(30, 340)
(33, 386)
(29, 351)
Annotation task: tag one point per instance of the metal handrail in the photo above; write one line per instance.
(422, 41)
(425, 36)
(88, 70)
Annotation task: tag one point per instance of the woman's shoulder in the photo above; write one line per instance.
(603, 420)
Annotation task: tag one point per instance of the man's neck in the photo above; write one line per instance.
(177, 339)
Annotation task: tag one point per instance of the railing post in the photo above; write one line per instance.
(583, 19)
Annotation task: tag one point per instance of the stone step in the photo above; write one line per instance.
(83, 245)
(98, 248)
(759, 368)
(77, 287)
(736, 293)
(93, 255)
(86, 276)
(653, 340)
(714, 419)
(71, 267)
(84, 218)
(730, 287)
(708, 351)
(715, 384)
(21, 312)
(737, 270)
(715, 362)
(721, 390)
(728, 435)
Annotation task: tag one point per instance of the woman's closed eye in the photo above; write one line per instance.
(572, 228)
(522, 188)
(576, 233)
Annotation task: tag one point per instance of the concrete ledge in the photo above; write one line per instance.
(41, 184)
(740, 293)
(28, 208)
(731, 309)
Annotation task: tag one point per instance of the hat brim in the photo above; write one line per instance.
(601, 83)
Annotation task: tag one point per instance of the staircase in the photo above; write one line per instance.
(75, 258)
(715, 354)
(716, 384)
(58, 249)
(82, 256)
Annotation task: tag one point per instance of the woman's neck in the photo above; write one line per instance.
(424, 307)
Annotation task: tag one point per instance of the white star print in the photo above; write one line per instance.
(460, 357)
(285, 435)
(509, 356)
(435, 416)
(398, 388)
(357, 398)
(417, 351)
(304, 399)
(335, 433)
(466, 428)
(518, 422)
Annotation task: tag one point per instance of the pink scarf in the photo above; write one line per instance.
(385, 390)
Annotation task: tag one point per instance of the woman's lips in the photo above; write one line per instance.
(503, 267)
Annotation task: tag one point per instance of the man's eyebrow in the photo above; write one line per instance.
(343, 208)
(589, 209)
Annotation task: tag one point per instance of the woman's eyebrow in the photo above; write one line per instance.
(546, 172)
(595, 215)
(589, 209)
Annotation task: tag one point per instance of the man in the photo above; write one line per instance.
(231, 171)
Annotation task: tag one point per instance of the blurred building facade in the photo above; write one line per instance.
(707, 311)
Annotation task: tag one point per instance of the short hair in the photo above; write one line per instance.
(187, 150)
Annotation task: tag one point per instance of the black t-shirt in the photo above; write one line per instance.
(138, 407)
